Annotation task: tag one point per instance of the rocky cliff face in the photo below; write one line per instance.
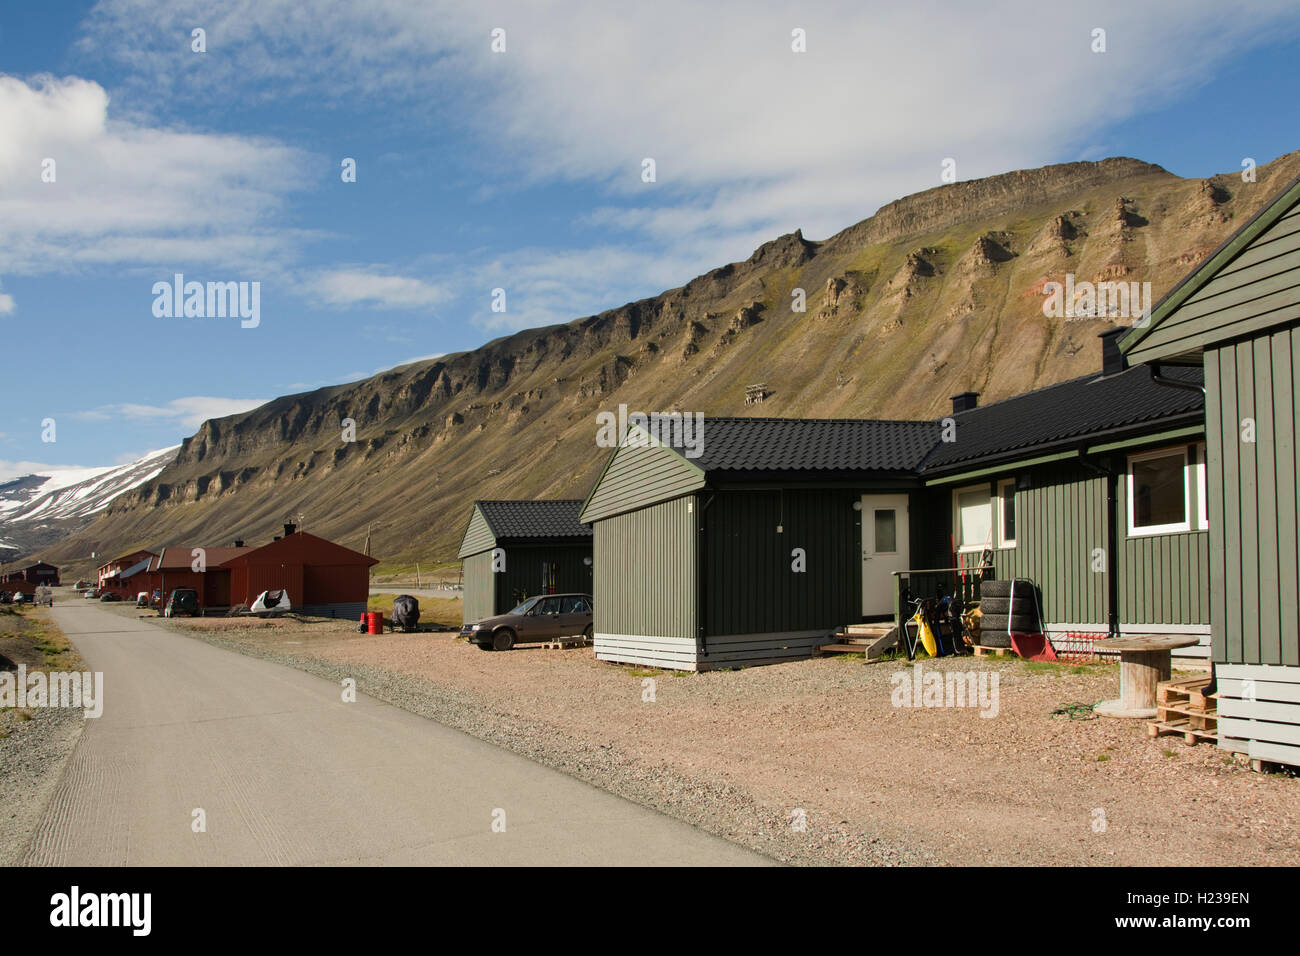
(936, 294)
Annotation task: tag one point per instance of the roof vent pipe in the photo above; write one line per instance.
(239, 542)
(289, 529)
(964, 402)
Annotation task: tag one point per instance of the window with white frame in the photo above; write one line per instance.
(1202, 491)
(1007, 513)
(974, 514)
(1158, 492)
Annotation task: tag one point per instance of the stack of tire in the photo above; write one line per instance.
(1000, 614)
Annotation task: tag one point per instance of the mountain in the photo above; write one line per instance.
(937, 293)
(36, 510)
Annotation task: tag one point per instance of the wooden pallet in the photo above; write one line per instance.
(1200, 718)
(1191, 735)
(566, 643)
(1183, 707)
(983, 651)
(1188, 691)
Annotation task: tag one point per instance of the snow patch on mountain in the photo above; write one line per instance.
(76, 492)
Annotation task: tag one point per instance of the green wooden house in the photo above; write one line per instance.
(1237, 318)
(756, 550)
(512, 550)
(783, 530)
(1092, 488)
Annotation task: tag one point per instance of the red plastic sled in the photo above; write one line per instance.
(1033, 647)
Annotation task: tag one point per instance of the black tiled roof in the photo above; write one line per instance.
(795, 444)
(514, 520)
(1060, 415)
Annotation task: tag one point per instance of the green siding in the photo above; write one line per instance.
(1253, 499)
(645, 571)
(1255, 287)
(478, 535)
(488, 593)
(637, 476)
(1163, 578)
(525, 574)
(479, 598)
(1060, 520)
(749, 585)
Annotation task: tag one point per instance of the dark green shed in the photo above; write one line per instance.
(514, 549)
(1237, 316)
(754, 551)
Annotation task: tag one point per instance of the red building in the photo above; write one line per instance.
(197, 568)
(109, 574)
(322, 578)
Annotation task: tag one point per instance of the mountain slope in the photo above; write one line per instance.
(937, 293)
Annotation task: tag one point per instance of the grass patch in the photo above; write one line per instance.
(1101, 758)
(445, 611)
(1168, 753)
(1052, 667)
(645, 672)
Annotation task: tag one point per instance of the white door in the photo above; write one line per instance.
(884, 550)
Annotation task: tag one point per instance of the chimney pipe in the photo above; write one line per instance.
(239, 542)
(964, 402)
(1113, 360)
(289, 529)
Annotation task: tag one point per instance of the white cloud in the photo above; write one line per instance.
(6, 304)
(189, 412)
(366, 286)
(127, 193)
(750, 139)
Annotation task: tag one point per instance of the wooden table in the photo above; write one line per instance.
(1144, 661)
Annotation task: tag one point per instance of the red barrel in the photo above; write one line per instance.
(376, 622)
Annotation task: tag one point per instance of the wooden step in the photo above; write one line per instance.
(840, 649)
(867, 630)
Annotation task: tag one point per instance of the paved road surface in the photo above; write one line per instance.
(289, 774)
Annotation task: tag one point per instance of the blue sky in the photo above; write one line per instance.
(519, 169)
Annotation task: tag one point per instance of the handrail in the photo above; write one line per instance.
(972, 567)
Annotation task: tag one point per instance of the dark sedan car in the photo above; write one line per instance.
(546, 617)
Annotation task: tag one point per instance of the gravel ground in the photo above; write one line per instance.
(738, 753)
(35, 744)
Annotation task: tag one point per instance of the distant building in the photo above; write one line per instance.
(514, 549)
(323, 578)
(109, 573)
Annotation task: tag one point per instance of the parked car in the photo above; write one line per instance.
(184, 602)
(110, 596)
(546, 617)
(142, 599)
(90, 593)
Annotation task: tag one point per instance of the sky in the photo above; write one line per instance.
(504, 146)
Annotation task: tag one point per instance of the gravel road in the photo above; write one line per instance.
(739, 753)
